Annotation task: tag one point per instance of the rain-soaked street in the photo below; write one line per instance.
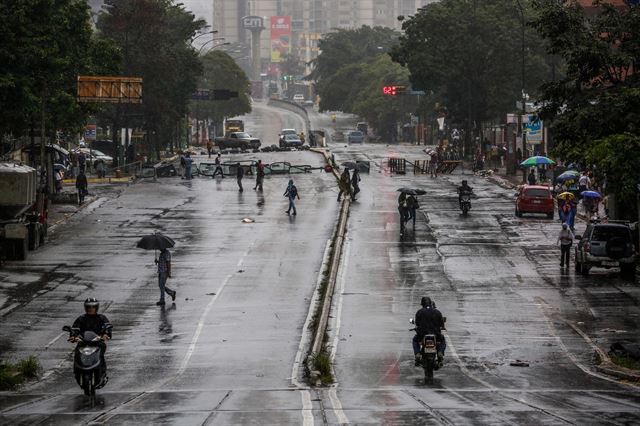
(227, 351)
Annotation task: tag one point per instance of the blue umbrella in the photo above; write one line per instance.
(591, 194)
(568, 175)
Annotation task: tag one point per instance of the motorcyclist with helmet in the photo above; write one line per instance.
(463, 189)
(429, 320)
(93, 321)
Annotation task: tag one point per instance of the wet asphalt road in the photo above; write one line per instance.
(498, 281)
(226, 352)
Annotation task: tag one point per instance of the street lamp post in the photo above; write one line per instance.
(215, 45)
(521, 131)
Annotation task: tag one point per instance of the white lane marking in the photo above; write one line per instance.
(305, 328)
(307, 407)
(54, 339)
(337, 407)
(196, 336)
(461, 365)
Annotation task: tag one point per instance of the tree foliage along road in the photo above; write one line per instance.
(351, 70)
(468, 54)
(595, 108)
(45, 45)
(222, 72)
(154, 37)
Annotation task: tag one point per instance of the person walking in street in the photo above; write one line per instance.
(565, 239)
(531, 179)
(412, 208)
(218, 169)
(355, 183)
(164, 272)
(209, 147)
(188, 162)
(239, 176)
(82, 186)
(292, 193)
(82, 162)
(57, 174)
(259, 175)
(344, 184)
(101, 168)
(572, 215)
(403, 210)
(584, 183)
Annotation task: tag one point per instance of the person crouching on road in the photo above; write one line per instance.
(81, 186)
(164, 272)
(565, 239)
(291, 193)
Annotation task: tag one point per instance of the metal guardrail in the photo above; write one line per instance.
(399, 166)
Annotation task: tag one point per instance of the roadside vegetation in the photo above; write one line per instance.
(13, 375)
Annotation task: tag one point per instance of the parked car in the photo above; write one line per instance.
(606, 245)
(290, 140)
(93, 154)
(534, 199)
(355, 136)
(298, 98)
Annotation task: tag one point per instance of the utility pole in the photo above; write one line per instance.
(521, 131)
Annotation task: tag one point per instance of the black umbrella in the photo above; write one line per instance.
(155, 241)
(350, 165)
(412, 191)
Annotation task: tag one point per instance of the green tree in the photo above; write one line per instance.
(222, 72)
(155, 39)
(595, 108)
(338, 69)
(467, 53)
(45, 45)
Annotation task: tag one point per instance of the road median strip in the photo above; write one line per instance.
(317, 363)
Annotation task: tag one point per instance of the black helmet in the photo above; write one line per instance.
(92, 302)
(426, 301)
(464, 182)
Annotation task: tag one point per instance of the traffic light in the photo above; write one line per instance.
(223, 94)
(394, 90)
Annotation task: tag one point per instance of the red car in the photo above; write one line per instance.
(534, 199)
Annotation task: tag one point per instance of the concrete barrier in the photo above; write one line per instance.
(295, 108)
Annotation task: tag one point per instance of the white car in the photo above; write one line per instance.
(94, 154)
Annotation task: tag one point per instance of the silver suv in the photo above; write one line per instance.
(606, 245)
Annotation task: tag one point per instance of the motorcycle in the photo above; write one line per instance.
(88, 366)
(428, 353)
(465, 203)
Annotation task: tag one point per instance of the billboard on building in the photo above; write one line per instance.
(280, 37)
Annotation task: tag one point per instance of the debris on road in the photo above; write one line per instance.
(518, 363)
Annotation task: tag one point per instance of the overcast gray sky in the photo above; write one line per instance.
(200, 8)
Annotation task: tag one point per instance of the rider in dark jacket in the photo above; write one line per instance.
(92, 321)
(429, 320)
(464, 189)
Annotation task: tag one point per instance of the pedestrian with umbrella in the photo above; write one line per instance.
(344, 184)
(160, 242)
(355, 182)
(407, 205)
(590, 200)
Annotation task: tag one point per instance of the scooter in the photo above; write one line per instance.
(465, 203)
(88, 366)
(428, 353)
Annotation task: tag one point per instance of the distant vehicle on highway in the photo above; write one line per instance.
(337, 136)
(308, 104)
(285, 132)
(534, 199)
(355, 136)
(290, 140)
(298, 98)
(606, 245)
(233, 126)
(242, 140)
